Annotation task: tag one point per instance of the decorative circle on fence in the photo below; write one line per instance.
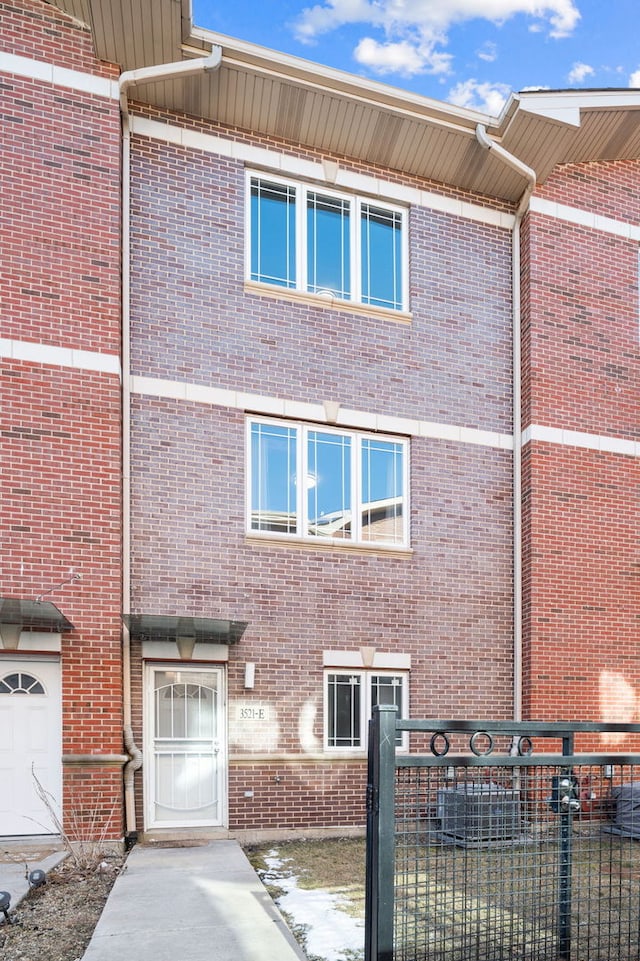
(525, 746)
(474, 744)
(439, 744)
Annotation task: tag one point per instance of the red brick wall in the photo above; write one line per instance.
(39, 31)
(582, 373)
(60, 216)
(582, 597)
(608, 189)
(61, 497)
(448, 604)
(298, 795)
(580, 331)
(194, 322)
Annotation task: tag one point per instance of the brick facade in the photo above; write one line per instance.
(61, 422)
(208, 350)
(193, 321)
(581, 372)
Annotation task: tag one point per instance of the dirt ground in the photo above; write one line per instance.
(55, 922)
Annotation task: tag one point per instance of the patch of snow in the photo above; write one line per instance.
(329, 931)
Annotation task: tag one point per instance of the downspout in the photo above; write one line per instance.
(129, 79)
(523, 206)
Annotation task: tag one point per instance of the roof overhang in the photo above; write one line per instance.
(339, 114)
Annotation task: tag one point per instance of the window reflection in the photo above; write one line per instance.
(273, 233)
(328, 246)
(332, 484)
(273, 478)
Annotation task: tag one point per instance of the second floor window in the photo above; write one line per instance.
(324, 483)
(318, 241)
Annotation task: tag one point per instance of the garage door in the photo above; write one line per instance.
(30, 712)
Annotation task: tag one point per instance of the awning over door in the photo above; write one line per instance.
(166, 627)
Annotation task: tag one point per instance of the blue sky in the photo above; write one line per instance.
(473, 53)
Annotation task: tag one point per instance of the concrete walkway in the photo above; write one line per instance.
(202, 903)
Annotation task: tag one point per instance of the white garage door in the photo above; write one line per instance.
(31, 743)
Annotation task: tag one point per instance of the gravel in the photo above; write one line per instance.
(55, 921)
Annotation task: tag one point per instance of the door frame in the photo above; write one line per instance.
(150, 667)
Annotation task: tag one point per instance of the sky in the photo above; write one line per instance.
(472, 53)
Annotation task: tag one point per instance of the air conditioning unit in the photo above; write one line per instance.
(479, 812)
(626, 798)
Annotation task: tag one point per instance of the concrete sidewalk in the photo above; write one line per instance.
(202, 903)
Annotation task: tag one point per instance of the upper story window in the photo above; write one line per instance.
(323, 483)
(316, 241)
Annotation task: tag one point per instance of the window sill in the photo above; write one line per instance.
(327, 300)
(343, 547)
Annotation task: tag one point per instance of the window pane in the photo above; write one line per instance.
(328, 483)
(273, 233)
(328, 266)
(343, 706)
(273, 478)
(382, 491)
(387, 689)
(20, 684)
(381, 241)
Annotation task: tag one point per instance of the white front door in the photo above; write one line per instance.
(31, 744)
(185, 757)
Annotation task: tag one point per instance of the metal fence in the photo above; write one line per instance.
(501, 841)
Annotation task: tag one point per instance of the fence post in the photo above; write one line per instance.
(564, 865)
(379, 900)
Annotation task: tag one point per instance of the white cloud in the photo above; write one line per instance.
(403, 57)
(428, 21)
(486, 97)
(336, 13)
(488, 52)
(579, 72)
(634, 79)
(414, 33)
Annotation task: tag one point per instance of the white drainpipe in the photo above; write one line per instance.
(522, 208)
(128, 79)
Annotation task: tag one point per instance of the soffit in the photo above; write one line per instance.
(275, 95)
(80, 9)
(131, 33)
(596, 125)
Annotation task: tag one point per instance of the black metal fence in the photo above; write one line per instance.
(501, 841)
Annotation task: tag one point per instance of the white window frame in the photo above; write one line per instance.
(366, 676)
(356, 203)
(303, 429)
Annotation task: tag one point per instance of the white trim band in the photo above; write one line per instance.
(574, 438)
(377, 659)
(60, 356)
(287, 165)
(300, 410)
(584, 218)
(58, 76)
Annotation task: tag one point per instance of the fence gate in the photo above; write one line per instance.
(502, 841)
